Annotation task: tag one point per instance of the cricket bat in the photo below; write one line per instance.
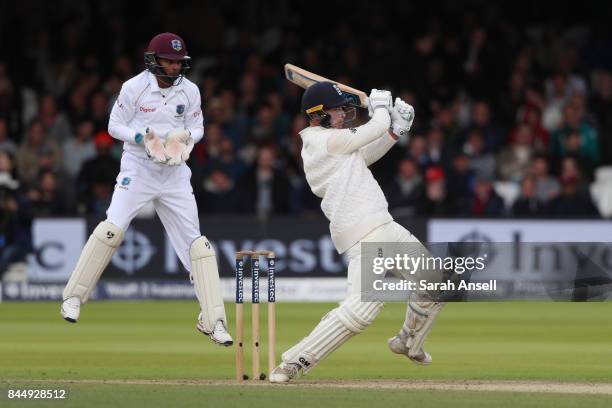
(304, 79)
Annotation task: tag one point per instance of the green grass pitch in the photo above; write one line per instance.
(157, 340)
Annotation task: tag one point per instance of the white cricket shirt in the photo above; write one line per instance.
(352, 200)
(142, 105)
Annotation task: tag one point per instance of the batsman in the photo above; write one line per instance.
(158, 117)
(336, 157)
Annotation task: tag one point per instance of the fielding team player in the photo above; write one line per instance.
(158, 117)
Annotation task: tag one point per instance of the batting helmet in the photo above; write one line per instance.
(167, 46)
(322, 96)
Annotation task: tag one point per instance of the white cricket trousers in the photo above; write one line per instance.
(353, 315)
(141, 181)
(389, 232)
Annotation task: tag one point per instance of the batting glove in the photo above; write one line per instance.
(402, 116)
(379, 99)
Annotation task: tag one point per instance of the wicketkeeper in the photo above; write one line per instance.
(158, 117)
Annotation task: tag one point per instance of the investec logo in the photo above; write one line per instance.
(239, 282)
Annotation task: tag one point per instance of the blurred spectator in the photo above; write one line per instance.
(45, 198)
(601, 105)
(406, 192)
(436, 149)
(528, 205)
(437, 201)
(55, 124)
(546, 187)
(96, 179)
(514, 160)
(574, 121)
(6, 92)
(481, 162)
(99, 111)
(226, 160)
(222, 111)
(264, 130)
(572, 146)
(35, 145)
(570, 170)
(485, 201)
(574, 199)
(79, 149)
(265, 189)
(460, 179)
(446, 122)
(511, 101)
(210, 148)
(541, 137)
(218, 194)
(485, 60)
(558, 93)
(6, 144)
(15, 218)
(249, 95)
(417, 151)
(490, 131)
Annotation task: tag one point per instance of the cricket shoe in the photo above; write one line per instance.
(71, 309)
(219, 334)
(284, 373)
(397, 346)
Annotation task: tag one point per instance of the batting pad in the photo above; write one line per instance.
(205, 276)
(336, 327)
(420, 317)
(94, 258)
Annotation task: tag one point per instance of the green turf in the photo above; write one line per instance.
(88, 395)
(157, 340)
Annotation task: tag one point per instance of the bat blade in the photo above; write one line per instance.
(304, 79)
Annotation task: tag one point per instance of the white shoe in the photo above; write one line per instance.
(219, 334)
(397, 346)
(71, 309)
(284, 373)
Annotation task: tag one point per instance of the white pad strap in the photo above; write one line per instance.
(420, 317)
(205, 277)
(94, 258)
(336, 327)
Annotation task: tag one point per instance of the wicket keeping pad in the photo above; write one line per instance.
(205, 277)
(96, 255)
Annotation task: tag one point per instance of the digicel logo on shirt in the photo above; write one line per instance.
(147, 110)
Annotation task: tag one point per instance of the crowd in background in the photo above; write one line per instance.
(500, 100)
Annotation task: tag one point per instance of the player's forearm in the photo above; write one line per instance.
(123, 133)
(196, 133)
(348, 141)
(378, 148)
